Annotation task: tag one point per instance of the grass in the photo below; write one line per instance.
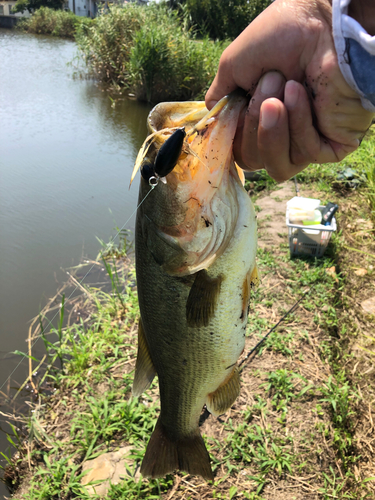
(45, 21)
(149, 52)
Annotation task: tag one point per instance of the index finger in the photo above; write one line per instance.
(273, 41)
(222, 85)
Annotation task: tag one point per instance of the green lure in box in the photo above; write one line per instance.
(317, 219)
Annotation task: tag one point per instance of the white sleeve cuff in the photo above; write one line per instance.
(355, 50)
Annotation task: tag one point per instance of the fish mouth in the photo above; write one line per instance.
(195, 119)
(202, 186)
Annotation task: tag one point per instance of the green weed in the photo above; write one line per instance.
(334, 487)
(116, 249)
(149, 51)
(115, 415)
(252, 444)
(261, 182)
(128, 489)
(57, 479)
(340, 397)
(279, 342)
(47, 21)
(282, 384)
(370, 175)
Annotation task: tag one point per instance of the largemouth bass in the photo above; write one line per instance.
(195, 264)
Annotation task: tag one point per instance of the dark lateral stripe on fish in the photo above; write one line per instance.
(163, 455)
(202, 300)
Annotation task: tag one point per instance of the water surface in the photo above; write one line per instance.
(65, 161)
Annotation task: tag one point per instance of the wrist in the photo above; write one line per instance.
(363, 11)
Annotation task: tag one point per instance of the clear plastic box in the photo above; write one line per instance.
(309, 240)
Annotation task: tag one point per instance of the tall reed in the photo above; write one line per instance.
(105, 46)
(149, 52)
(45, 21)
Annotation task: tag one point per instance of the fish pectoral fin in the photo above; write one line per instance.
(241, 174)
(221, 400)
(202, 300)
(144, 367)
(165, 455)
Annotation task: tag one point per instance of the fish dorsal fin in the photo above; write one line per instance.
(221, 400)
(202, 300)
(144, 368)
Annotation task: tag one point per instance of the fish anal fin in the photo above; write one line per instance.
(221, 400)
(202, 300)
(164, 455)
(144, 368)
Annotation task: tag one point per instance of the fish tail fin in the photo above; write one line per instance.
(164, 455)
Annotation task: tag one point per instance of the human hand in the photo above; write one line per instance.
(315, 117)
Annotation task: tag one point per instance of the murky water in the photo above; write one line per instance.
(66, 157)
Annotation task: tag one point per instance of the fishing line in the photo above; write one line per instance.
(273, 328)
(28, 353)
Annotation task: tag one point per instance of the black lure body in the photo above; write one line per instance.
(167, 156)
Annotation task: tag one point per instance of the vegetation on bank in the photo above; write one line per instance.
(46, 21)
(303, 421)
(152, 51)
(219, 19)
(149, 52)
(145, 50)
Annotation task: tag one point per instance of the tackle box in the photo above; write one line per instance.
(309, 240)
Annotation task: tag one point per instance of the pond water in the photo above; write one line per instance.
(66, 157)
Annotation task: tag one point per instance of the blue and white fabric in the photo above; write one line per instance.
(356, 53)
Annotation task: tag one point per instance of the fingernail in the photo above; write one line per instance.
(291, 94)
(269, 117)
(271, 83)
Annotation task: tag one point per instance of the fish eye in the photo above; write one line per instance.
(147, 170)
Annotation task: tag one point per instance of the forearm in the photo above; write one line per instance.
(363, 11)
